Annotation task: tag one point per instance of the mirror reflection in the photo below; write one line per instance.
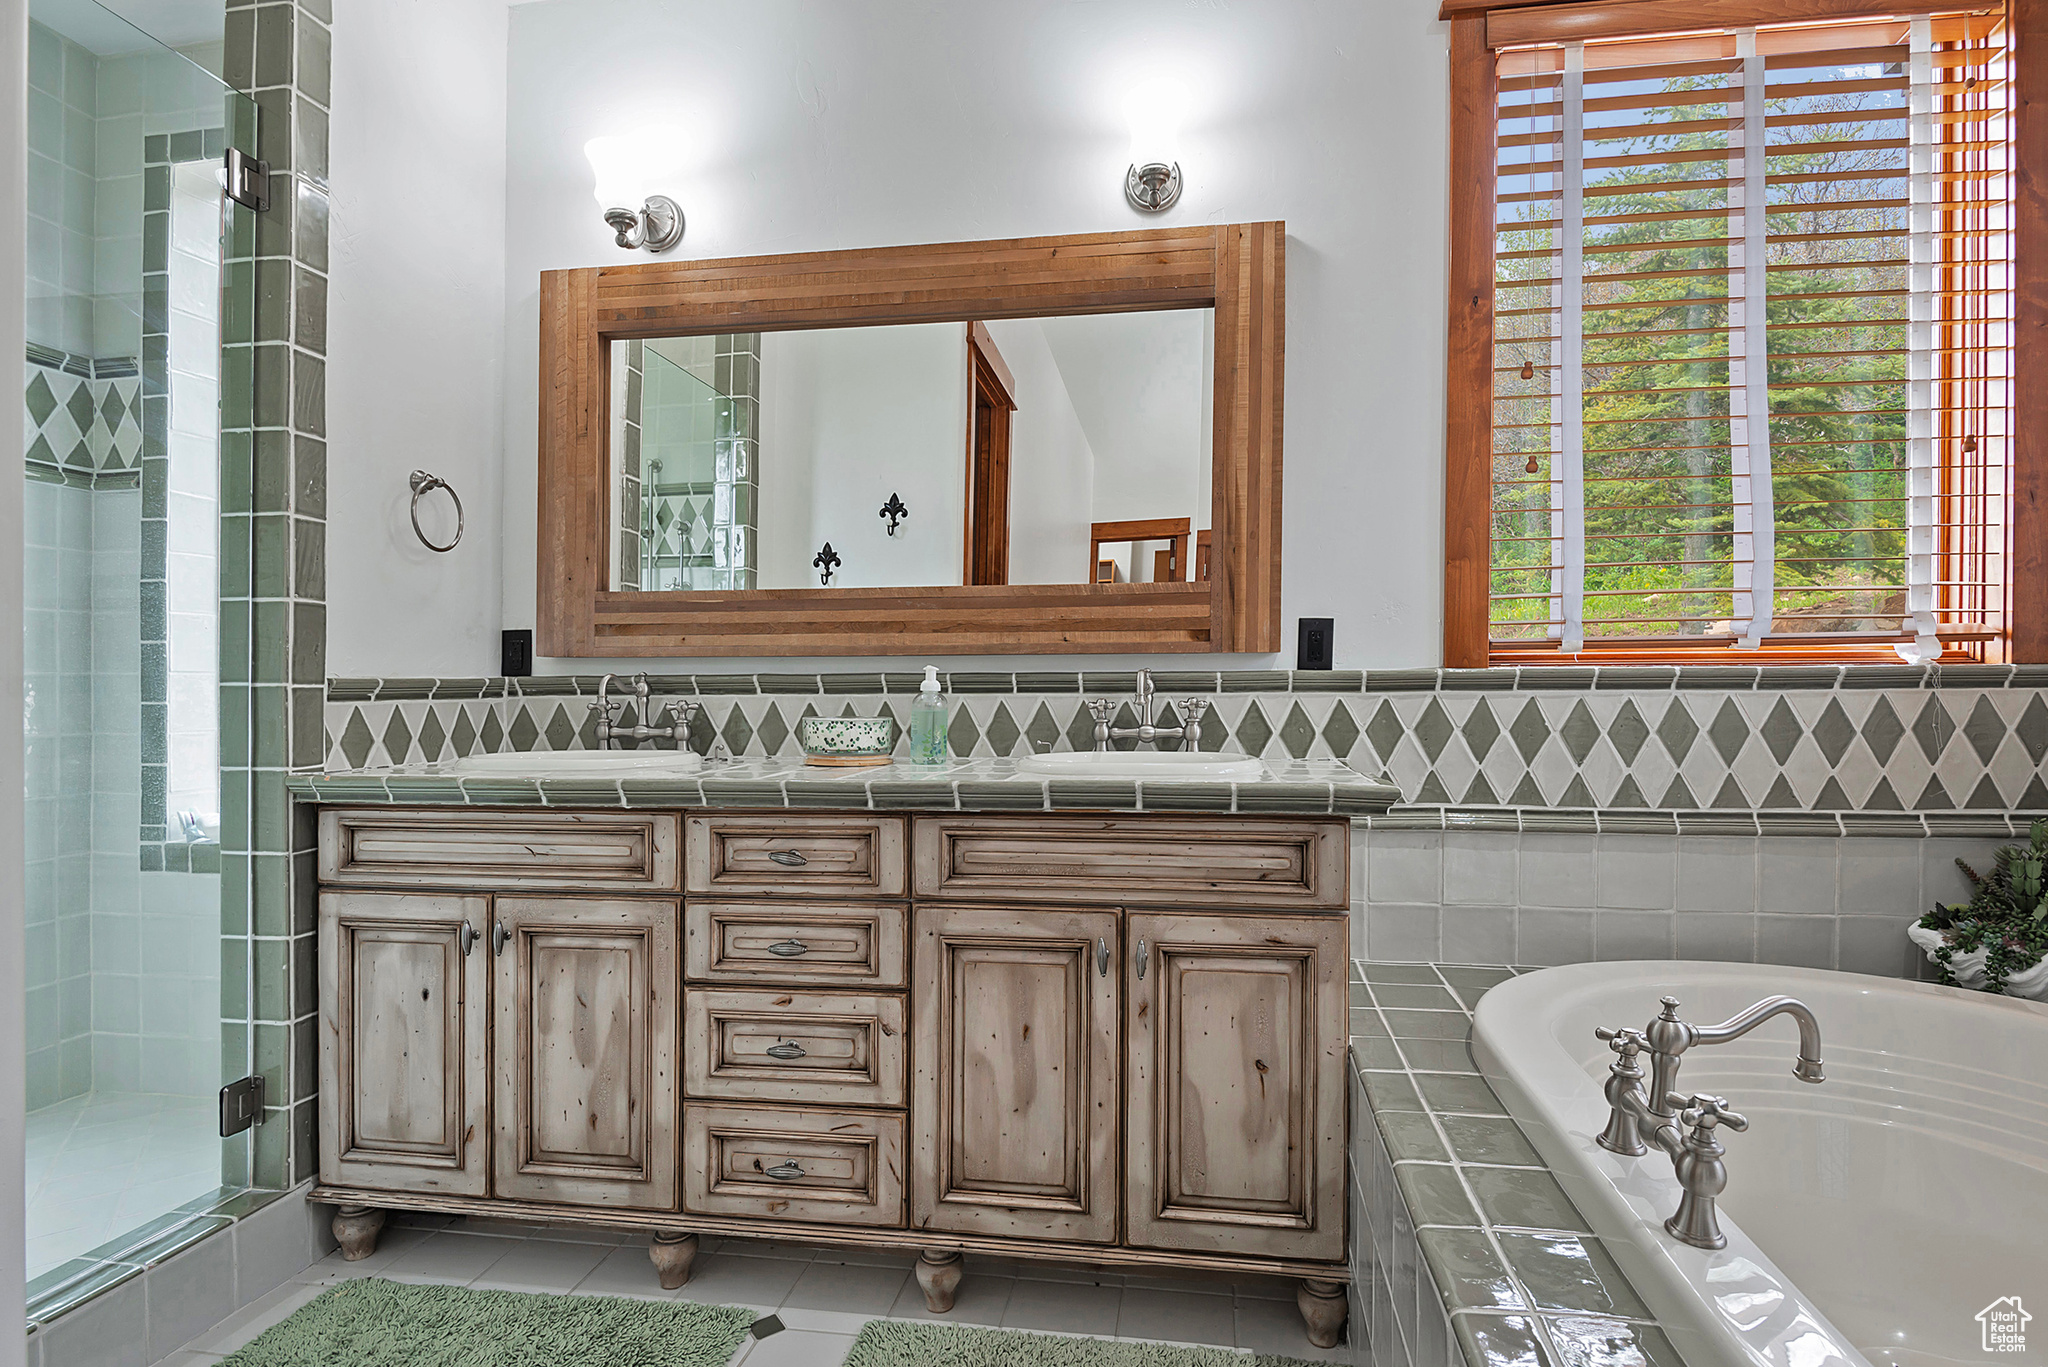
(1053, 450)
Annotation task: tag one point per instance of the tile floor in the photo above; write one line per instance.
(100, 1164)
(822, 1296)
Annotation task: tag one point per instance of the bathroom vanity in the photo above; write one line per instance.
(1106, 1039)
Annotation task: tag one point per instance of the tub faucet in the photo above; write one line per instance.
(609, 732)
(1188, 733)
(1651, 1109)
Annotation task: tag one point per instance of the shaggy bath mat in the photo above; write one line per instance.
(375, 1323)
(901, 1343)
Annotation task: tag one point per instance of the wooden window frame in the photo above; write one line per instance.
(1477, 29)
(1239, 269)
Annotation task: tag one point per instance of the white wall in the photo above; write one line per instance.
(848, 416)
(13, 274)
(847, 125)
(1052, 465)
(1136, 382)
(415, 343)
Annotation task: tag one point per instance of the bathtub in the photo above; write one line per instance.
(1870, 1218)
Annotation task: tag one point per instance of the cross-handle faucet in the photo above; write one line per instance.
(606, 712)
(1188, 733)
(1651, 1109)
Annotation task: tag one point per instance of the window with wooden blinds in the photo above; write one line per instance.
(1751, 347)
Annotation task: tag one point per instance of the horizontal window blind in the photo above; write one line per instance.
(1751, 342)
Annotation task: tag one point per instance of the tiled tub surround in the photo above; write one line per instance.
(1465, 1250)
(1710, 739)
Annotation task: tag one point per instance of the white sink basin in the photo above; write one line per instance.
(581, 764)
(1151, 765)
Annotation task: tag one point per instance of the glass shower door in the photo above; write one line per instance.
(133, 287)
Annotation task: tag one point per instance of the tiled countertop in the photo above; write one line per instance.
(1521, 1280)
(1299, 788)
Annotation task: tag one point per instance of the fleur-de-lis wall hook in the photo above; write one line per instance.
(824, 562)
(895, 512)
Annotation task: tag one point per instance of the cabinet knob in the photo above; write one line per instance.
(788, 1049)
(785, 1171)
(1143, 958)
(789, 859)
(1102, 957)
(498, 937)
(788, 949)
(465, 938)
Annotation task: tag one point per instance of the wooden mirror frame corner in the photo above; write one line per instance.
(1239, 269)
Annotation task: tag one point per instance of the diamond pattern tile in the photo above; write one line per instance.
(1297, 733)
(1781, 730)
(1529, 731)
(1628, 731)
(491, 736)
(1882, 730)
(1729, 732)
(773, 730)
(523, 732)
(79, 405)
(1043, 732)
(1002, 731)
(962, 735)
(1932, 728)
(737, 731)
(1433, 728)
(1385, 731)
(561, 732)
(462, 736)
(1254, 730)
(2032, 729)
(1580, 732)
(41, 402)
(431, 736)
(1678, 730)
(1834, 732)
(1481, 730)
(397, 737)
(1340, 731)
(356, 739)
(1985, 729)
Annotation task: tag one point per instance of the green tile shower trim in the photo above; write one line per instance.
(1519, 1275)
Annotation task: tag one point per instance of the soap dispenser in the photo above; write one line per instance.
(928, 721)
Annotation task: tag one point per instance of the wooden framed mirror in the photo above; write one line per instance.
(669, 526)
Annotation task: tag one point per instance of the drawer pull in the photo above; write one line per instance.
(785, 1171)
(789, 859)
(787, 1049)
(789, 949)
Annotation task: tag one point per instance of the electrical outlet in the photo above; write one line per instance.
(1315, 650)
(517, 655)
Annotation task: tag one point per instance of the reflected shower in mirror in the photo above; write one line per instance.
(1059, 450)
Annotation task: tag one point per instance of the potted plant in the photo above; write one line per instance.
(1998, 940)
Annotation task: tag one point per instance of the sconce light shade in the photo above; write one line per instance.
(1154, 111)
(626, 170)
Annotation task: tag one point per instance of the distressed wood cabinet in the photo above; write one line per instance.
(1109, 1039)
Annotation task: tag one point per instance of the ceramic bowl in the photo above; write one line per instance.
(847, 735)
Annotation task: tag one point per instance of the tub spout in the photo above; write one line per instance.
(1807, 1068)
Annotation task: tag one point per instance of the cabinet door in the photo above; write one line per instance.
(404, 1090)
(1016, 1098)
(584, 1051)
(1236, 1065)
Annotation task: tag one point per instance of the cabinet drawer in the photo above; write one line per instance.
(815, 1048)
(1118, 861)
(817, 944)
(835, 1167)
(451, 847)
(796, 856)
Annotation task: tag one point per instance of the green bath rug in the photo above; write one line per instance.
(375, 1323)
(903, 1343)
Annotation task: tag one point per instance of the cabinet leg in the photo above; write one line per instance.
(355, 1229)
(1323, 1307)
(938, 1276)
(672, 1255)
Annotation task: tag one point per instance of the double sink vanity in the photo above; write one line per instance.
(1113, 1039)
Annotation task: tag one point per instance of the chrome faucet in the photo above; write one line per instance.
(1188, 733)
(1683, 1126)
(606, 711)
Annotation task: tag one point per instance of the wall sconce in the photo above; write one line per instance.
(1154, 111)
(627, 168)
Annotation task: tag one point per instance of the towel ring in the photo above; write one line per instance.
(423, 484)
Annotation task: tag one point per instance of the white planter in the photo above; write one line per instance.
(1968, 969)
